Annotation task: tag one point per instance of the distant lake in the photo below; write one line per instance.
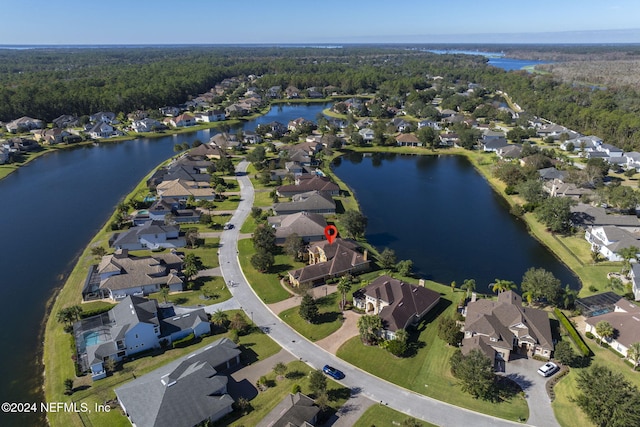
(439, 212)
(497, 59)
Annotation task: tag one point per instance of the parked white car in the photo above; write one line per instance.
(548, 369)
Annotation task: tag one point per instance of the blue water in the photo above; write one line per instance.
(497, 59)
(91, 338)
(51, 208)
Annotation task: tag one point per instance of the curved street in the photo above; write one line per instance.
(378, 390)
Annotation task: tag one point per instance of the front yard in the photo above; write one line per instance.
(427, 371)
(329, 320)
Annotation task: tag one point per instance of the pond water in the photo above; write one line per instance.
(439, 212)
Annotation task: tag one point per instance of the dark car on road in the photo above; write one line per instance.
(333, 372)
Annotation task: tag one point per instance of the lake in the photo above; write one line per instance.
(439, 212)
(497, 59)
(51, 209)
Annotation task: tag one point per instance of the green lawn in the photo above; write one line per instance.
(567, 413)
(329, 320)
(383, 416)
(215, 285)
(249, 225)
(229, 204)
(263, 199)
(427, 370)
(266, 285)
(266, 401)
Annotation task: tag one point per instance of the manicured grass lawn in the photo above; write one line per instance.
(263, 199)
(266, 401)
(382, 416)
(229, 204)
(215, 285)
(249, 225)
(256, 346)
(266, 285)
(329, 320)
(427, 371)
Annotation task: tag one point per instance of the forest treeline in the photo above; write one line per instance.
(45, 83)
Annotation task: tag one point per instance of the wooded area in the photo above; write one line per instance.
(45, 83)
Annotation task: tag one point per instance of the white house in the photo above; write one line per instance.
(210, 116)
(101, 130)
(152, 235)
(132, 326)
(145, 125)
(625, 320)
(24, 124)
(367, 134)
(609, 240)
(633, 160)
(4, 154)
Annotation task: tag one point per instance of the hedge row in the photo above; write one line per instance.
(575, 336)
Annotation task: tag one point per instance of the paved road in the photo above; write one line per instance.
(376, 389)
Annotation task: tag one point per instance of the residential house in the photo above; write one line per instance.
(312, 201)
(582, 143)
(211, 116)
(398, 304)
(173, 210)
(449, 139)
(498, 328)
(625, 319)
(101, 130)
(50, 136)
(492, 135)
(585, 216)
(292, 92)
(634, 274)
(337, 123)
(305, 184)
(152, 235)
(120, 274)
(209, 151)
(137, 115)
(299, 123)
(558, 188)
(146, 125)
(295, 410)
(428, 123)
(509, 152)
(365, 122)
(169, 111)
(250, 137)
(237, 110)
(184, 393)
(549, 174)
(495, 144)
(309, 226)
(608, 240)
(610, 150)
(447, 113)
(4, 154)
(24, 124)
(183, 120)
(226, 140)
(183, 189)
(400, 125)
(65, 121)
(408, 140)
(102, 116)
(134, 325)
(554, 131)
(274, 91)
(367, 135)
(633, 160)
(314, 93)
(327, 260)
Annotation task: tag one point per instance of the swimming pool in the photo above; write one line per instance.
(91, 338)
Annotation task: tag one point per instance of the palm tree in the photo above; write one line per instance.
(634, 354)
(468, 285)
(502, 286)
(368, 326)
(344, 286)
(164, 291)
(528, 296)
(604, 330)
(219, 318)
(627, 255)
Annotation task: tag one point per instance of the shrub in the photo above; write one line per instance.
(592, 288)
(396, 347)
(95, 312)
(604, 344)
(589, 335)
(571, 330)
(510, 190)
(295, 389)
(183, 342)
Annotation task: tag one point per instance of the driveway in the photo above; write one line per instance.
(524, 372)
(372, 387)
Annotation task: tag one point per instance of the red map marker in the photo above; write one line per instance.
(331, 232)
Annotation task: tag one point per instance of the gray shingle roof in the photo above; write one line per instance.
(182, 393)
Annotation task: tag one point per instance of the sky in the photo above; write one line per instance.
(66, 22)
